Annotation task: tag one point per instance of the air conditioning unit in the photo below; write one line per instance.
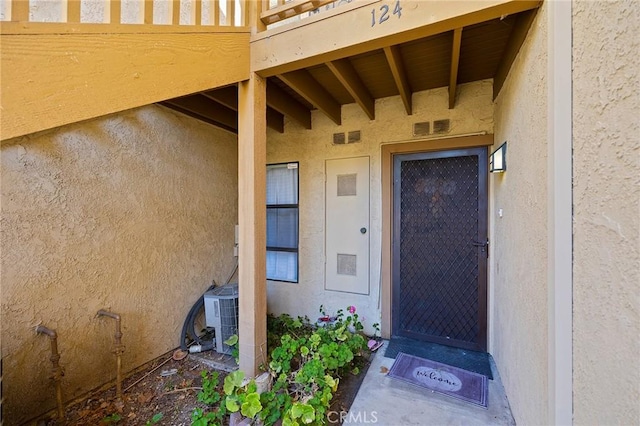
(221, 313)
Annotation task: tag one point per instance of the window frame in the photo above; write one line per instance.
(295, 250)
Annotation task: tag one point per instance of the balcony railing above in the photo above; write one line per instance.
(124, 15)
(278, 12)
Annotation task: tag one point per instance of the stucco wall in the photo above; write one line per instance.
(606, 171)
(473, 113)
(518, 257)
(133, 213)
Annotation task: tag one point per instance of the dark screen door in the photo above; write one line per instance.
(440, 247)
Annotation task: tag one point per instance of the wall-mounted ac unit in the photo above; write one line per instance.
(221, 313)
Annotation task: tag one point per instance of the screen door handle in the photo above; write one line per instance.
(481, 244)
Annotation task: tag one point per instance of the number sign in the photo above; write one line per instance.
(382, 14)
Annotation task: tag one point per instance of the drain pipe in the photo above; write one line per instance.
(118, 349)
(56, 370)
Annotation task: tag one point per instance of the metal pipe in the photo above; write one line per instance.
(118, 349)
(56, 370)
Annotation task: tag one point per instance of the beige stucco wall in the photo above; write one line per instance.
(606, 171)
(473, 113)
(518, 256)
(134, 213)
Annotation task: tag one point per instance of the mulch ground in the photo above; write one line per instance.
(164, 392)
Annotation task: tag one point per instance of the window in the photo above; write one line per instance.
(282, 222)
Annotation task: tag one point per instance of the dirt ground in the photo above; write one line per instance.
(164, 392)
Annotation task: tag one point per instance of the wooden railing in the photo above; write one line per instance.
(114, 15)
(190, 15)
(275, 11)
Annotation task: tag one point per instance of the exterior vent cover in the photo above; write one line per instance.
(354, 136)
(338, 139)
(347, 264)
(421, 129)
(348, 185)
(441, 126)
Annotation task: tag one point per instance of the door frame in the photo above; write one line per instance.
(388, 151)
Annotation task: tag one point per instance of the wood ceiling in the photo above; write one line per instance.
(477, 52)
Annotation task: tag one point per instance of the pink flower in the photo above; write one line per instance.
(352, 309)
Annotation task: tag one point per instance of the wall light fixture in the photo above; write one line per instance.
(498, 159)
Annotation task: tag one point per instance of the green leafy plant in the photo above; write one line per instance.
(112, 418)
(305, 364)
(209, 393)
(233, 342)
(155, 419)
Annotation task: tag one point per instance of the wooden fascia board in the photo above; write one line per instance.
(42, 90)
(208, 108)
(303, 83)
(280, 101)
(349, 32)
(455, 61)
(394, 58)
(346, 73)
(198, 117)
(518, 35)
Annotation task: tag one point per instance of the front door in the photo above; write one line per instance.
(440, 247)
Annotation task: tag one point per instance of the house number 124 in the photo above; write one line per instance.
(384, 13)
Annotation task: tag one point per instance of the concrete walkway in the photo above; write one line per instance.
(384, 401)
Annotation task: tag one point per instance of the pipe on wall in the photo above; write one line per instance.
(56, 370)
(118, 349)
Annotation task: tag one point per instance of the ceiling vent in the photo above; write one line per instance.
(354, 136)
(441, 126)
(338, 139)
(421, 129)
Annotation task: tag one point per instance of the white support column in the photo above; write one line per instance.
(252, 140)
(560, 229)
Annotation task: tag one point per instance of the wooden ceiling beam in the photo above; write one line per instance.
(455, 61)
(275, 120)
(348, 76)
(228, 96)
(280, 101)
(207, 108)
(518, 35)
(394, 58)
(303, 83)
(198, 117)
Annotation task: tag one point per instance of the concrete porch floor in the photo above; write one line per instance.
(384, 401)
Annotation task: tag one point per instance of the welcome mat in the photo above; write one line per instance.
(441, 378)
(477, 362)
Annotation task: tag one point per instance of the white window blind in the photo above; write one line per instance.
(282, 222)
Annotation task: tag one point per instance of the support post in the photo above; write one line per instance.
(560, 219)
(252, 220)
